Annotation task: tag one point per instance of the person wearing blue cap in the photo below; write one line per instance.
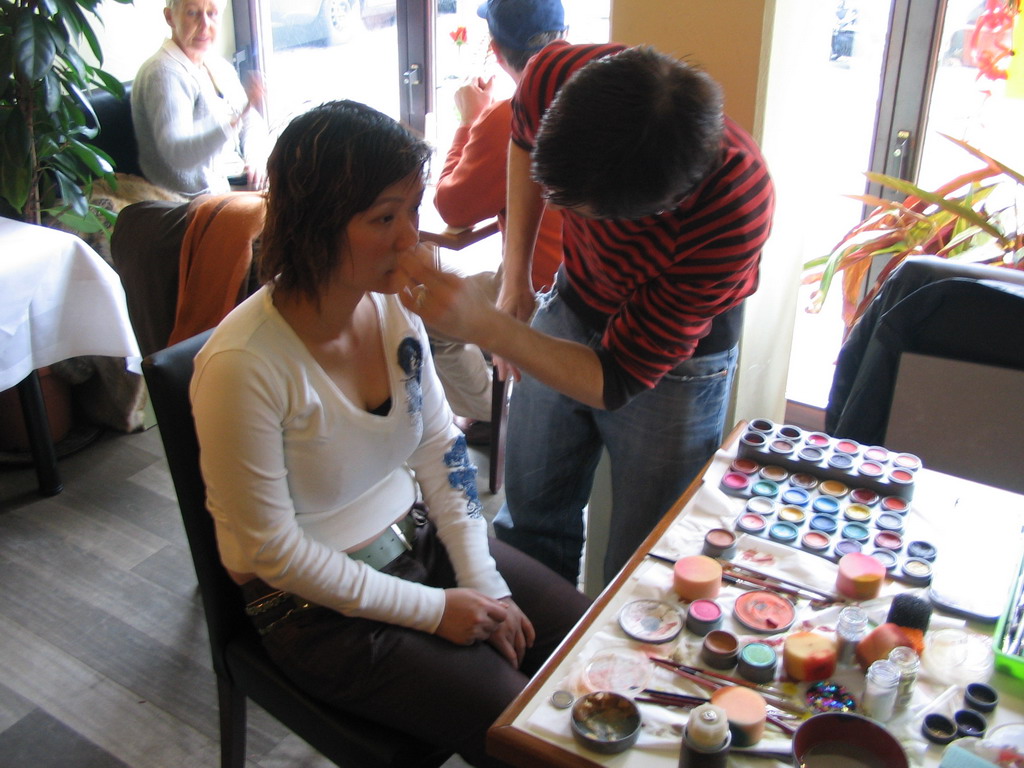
(471, 189)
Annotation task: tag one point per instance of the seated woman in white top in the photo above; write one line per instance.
(194, 122)
(344, 498)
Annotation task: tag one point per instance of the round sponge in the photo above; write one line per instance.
(697, 577)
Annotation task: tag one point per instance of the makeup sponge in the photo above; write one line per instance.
(882, 639)
(910, 611)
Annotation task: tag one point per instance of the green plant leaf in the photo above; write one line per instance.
(947, 204)
(1015, 175)
(34, 49)
(16, 167)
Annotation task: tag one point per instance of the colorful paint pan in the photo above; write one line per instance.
(857, 513)
(889, 521)
(762, 425)
(792, 514)
(817, 439)
(889, 540)
(834, 488)
(789, 432)
(761, 505)
(752, 523)
(781, 447)
(846, 547)
(901, 477)
(856, 532)
(847, 447)
(825, 505)
(765, 488)
(703, 616)
(774, 473)
(811, 454)
(735, 481)
(907, 461)
(757, 663)
(816, 541)
(825, 523)
(870, 469)
(796, 497)
(744, 466)
(921, 549)
(864, 496)
(786, 533)
(886, 557)
(840, 461)
(876, 453)
(764, 611)
(754, 439)
(719, 542)
(917, 571)
(895, 504)
(804, 481)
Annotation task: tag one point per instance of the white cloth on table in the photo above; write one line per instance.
(61, 300)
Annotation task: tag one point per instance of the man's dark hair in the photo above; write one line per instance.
(517, 59)
(629, 135)
(329, 164)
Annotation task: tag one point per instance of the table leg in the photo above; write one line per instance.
(44, 455)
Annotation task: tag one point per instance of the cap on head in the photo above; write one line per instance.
(514, 22)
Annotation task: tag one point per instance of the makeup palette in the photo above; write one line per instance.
(817, 455)
(809, 503)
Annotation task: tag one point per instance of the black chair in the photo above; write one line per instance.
(242, 667)
(941, 322)
(116, 136)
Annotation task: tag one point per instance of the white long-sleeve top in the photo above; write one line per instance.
(182, 115)
(296, 473)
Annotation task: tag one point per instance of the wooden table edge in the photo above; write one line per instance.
(504, 740)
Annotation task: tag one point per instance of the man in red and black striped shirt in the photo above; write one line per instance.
(666, 206)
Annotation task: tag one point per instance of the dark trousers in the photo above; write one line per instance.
(442, 693)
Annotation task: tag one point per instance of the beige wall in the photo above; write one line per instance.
(724, 37)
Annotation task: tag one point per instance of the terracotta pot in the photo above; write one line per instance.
(56, 397)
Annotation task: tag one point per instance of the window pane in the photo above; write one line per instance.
(970, 101)
(462, 52)
(831, 99)
(321, 50)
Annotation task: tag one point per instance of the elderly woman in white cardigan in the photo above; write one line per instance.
(195, 123)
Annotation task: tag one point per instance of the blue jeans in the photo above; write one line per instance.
(657, 443)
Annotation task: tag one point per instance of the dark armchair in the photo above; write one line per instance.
(242, 667)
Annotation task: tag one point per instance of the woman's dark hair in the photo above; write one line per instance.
(629, 135)
(328, 165)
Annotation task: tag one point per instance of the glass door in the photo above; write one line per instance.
(977, 93)
(833, 92)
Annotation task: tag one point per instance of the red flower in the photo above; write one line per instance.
(458, 35)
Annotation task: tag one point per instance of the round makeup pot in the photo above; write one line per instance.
(981, 697)
(605, 722)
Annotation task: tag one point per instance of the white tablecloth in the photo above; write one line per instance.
(978, 533)
(60, 300)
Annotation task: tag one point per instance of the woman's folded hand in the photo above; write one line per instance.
(514, 635)
(469, 616)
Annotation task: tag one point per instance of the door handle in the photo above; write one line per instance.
(901, 152)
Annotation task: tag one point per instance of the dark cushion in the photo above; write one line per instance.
(117, 133)
(146, 250)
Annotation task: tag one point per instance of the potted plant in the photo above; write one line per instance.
(48, 166)
(973, 217)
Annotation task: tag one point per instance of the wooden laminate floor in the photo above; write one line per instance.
(104, 661)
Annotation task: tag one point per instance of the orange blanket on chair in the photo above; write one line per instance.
(216, 254)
